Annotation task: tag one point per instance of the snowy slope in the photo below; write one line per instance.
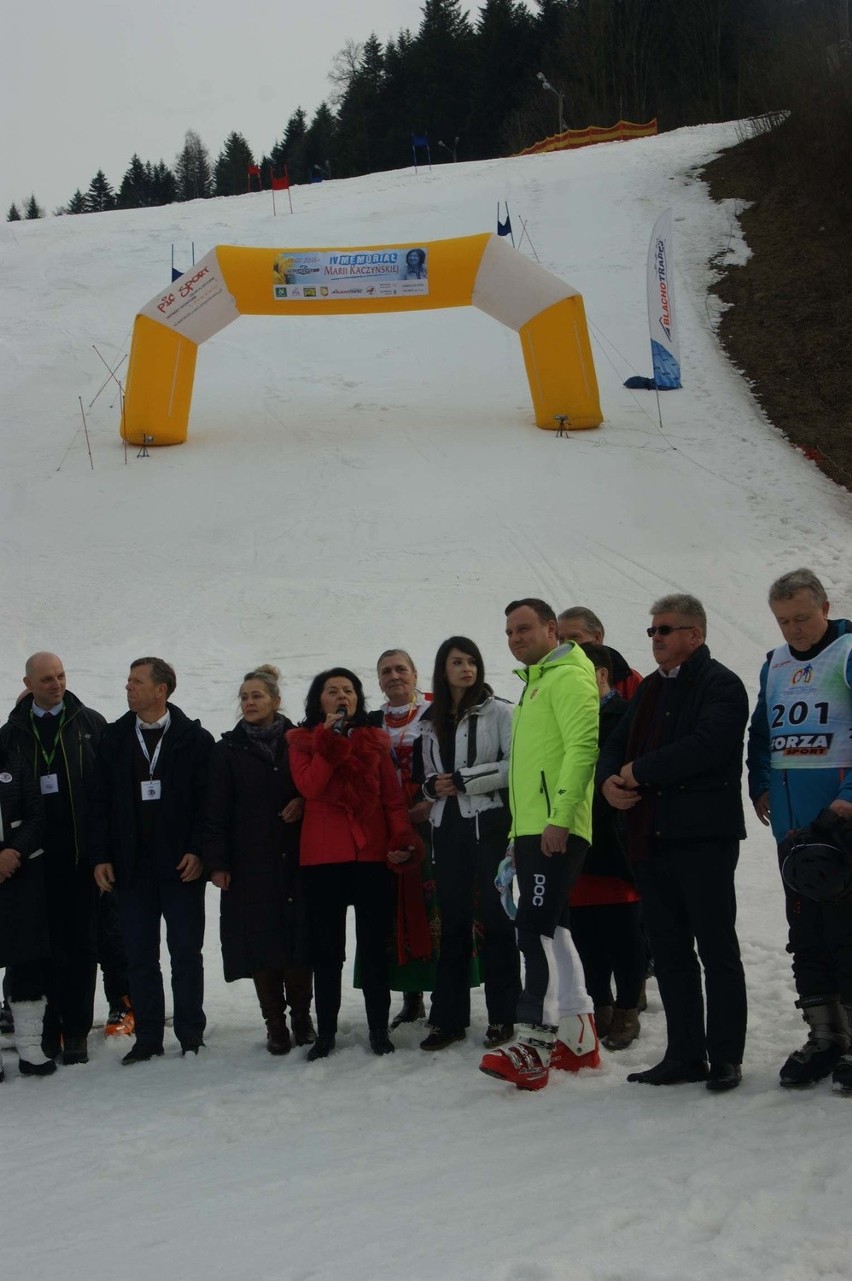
(349, 484)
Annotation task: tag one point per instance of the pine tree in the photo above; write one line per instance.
(135, 189)
(320, 144)
(33, 209)
(162, 183)
(77, 203)
(100, 195)
(290, 151)
(399, 108)
(501, 76)
(192, 169)
(441, 65)
(359, 108)
(14, 214)
(232, 166)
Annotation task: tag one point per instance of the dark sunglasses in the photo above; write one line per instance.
(666, 629)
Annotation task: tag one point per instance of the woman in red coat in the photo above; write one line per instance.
(355, 831)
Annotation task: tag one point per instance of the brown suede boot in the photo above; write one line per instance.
(298, 980)
(269, 985)
(603, 1019)
(624, 1029)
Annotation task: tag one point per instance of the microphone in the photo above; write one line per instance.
(339, 726)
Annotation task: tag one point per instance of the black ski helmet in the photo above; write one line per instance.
(818, 871)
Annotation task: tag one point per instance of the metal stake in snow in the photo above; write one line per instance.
(86, 430)
(123, 437)
(146, 441)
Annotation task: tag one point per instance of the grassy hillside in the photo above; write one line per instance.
(789, 320)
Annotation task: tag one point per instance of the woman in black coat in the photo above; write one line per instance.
(24, 941)
(251, 849)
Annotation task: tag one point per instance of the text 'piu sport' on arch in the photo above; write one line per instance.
(471, 271)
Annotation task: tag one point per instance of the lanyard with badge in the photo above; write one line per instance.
(49, 782)
(151, 787)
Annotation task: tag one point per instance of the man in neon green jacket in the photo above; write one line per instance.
(551, 772)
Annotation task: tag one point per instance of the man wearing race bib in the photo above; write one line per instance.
(800, 763)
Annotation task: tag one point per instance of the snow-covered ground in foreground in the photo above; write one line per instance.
(354, 483)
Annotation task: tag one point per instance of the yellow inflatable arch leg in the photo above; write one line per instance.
(160, 378)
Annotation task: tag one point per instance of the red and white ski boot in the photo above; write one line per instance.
(526, 1063)
(577, 1046)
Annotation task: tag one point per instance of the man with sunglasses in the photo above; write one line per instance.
(673, 765)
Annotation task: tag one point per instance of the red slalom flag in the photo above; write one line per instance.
(280, 184)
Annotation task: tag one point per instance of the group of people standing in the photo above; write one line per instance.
(614, 802)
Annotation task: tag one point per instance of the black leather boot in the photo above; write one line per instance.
(412, 1009)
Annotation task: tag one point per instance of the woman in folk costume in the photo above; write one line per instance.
(357, 847)
(251, 849)
(400, 717)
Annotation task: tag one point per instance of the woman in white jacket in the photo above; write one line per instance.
(462, 761)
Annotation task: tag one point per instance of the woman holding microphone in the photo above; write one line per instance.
(355, 835)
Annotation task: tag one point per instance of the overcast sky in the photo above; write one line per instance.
(85, 83)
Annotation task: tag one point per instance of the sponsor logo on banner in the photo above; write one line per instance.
(197, 304)
(663, 286)
(365, 273)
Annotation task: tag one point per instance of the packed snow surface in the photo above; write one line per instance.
(349, 484)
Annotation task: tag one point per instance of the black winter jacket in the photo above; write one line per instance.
(178, 821)
(23, 912)
(607, 855)
(261, 923)
(67, 813)
(691, 781)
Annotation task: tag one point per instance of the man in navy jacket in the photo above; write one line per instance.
(147, 847)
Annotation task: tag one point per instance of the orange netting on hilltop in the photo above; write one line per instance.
(593, 133)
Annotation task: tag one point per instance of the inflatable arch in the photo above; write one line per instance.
(479, 271)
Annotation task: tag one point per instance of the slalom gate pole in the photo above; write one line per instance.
(529, 238)
(86, 430)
